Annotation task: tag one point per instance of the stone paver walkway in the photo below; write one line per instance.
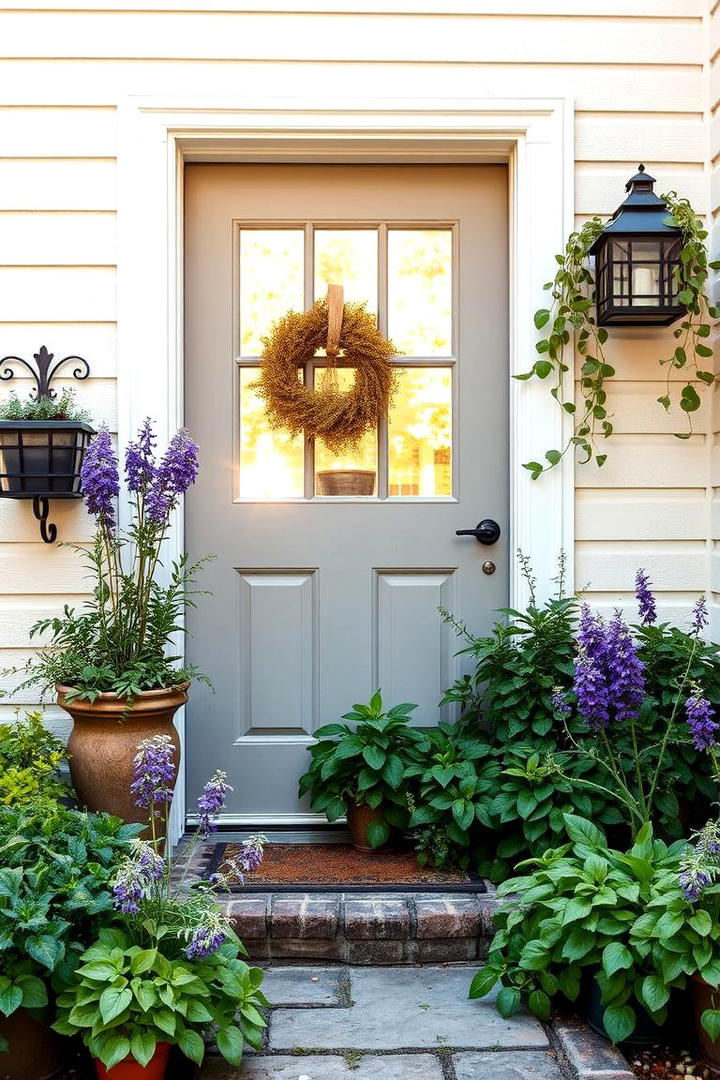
(403, 1023)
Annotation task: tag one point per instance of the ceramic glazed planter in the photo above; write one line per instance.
(104, 741)
(34, 1049)
(358, 819)
(130, 1070)
(705, 997)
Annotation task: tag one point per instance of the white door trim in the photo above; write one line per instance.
(534, 136)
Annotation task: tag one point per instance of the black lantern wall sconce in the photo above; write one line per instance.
(41, 459)
(636, 260)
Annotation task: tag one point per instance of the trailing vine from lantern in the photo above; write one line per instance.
(572, 312)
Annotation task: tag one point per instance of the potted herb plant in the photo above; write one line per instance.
(359, 771)
(170, 972)
(56, 866)
(112, 663)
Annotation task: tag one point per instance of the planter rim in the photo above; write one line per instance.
(44, 425)
(110, 695)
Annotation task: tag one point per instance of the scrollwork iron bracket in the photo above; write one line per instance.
(44, 370)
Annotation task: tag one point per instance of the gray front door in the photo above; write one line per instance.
(319, 599)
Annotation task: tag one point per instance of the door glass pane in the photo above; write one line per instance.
(420, 291)
(420, 433)
(271, 462)
(347, 257)
(363, 459)
(271, 281)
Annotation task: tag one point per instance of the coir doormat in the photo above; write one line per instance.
(319, 868)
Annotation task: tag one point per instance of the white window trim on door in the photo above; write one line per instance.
(533, 136)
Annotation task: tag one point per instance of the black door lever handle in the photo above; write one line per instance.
(487, 532)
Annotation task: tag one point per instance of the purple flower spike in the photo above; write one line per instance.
(135, 877)
(140, 459)
(645, 599)
(176, 472)
(699, 616)
(626, 672)
(560, 703)
(701, 720)
(100, 479)
(693, 881)
(252, 853)
(207, 937)
(590, 683)
(154, 771)
(212, 802)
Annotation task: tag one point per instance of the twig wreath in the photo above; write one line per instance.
(339, 417)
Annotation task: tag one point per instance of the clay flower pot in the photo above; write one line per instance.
(358, 819)
(104, 741)
(34, 1052)
(705, 997)
(130, 1070)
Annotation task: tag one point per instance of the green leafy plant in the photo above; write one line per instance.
(43, 407)
(363, 761)
(620, 917)
(30, 759)
(55, 871)
(450, 776)
(125, 999)
(570, 321)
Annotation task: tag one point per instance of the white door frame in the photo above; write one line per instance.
(533, 136)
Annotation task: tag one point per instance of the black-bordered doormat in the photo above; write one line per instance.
(322, 868)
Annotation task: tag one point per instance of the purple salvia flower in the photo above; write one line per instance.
(560, 703)
(645, 599)
(207, 937)
(701, 720)
(212, 802)
(176, 472)
(153, 771)
(100, 479)
(135, 876)
(693, 879)
(590, 680)
(251, 853)
(625, 670)
(708, 841)
(699, 616)
(140, 459)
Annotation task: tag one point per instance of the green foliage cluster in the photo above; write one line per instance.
(571, 316)
(618, 917)
(55, 868)
(123, 1000)
(550, 765)
(43, 408)
(30, 757)
(364, 763)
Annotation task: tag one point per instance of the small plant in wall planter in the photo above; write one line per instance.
(573, 320)
(359, 771)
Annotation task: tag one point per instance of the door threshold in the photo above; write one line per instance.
(281, 834)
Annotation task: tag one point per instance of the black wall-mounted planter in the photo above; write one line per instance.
(42, 459)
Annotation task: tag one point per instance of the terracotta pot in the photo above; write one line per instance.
(130, 1070)
(104, 741)
(705, 997)
(34, 1049)
(358, 819)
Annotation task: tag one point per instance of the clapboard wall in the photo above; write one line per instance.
(639, 74)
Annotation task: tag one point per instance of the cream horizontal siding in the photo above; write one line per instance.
(713, 450)
(636, 70)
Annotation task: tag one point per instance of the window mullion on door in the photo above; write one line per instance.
(382, 479)
(309, 372)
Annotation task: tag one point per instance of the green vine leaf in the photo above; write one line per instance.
(572, 314)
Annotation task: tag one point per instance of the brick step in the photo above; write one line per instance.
(362, 928)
